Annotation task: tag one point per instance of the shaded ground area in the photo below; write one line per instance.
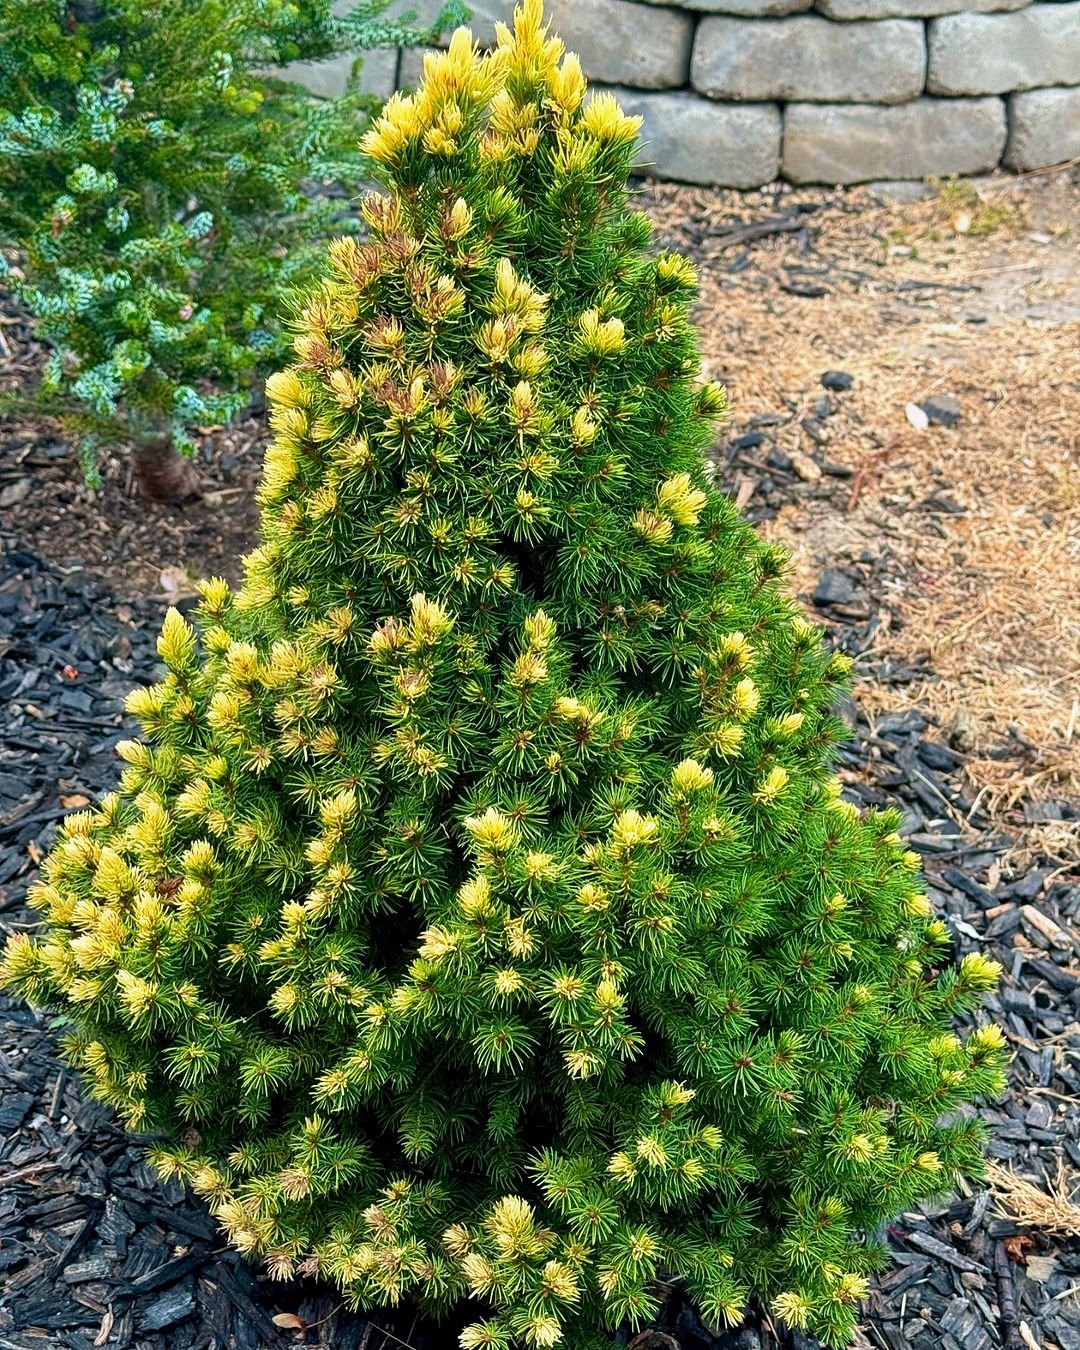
(942, 557)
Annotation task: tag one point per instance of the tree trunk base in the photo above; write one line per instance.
(165, 476)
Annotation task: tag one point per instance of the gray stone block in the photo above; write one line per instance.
(485, 14)
(692, 140)
(620, 42)
(327, 79)
(1044, 128)
(808, 58)
(910, 9)
(1003, 53)
(857, 144)
(747, 8)
(411, 68)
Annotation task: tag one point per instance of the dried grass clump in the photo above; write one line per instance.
(1052, 1211)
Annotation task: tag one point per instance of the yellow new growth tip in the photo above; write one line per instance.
(632, 829)
(690, 776)
(979, 972)
(567, 86)
(917, 906)
(532, 56)
(984, 1039)
(604, 119)
(600, 337)
(393, 130)
(745, 699)
(492, 830)
(679, 499)
(771, 785)
(285, 389)
(429, 621)
(176, 645)
(792, 1309)
(736, 648)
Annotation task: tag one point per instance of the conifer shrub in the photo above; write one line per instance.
(479, 915)
(154, 180)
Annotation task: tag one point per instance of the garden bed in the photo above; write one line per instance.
(946, 558)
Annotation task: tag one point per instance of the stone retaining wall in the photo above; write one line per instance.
(742, 92)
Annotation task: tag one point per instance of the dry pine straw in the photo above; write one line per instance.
(987, 595)
(1050, 1211)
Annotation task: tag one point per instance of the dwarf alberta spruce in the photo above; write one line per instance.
(479, 915)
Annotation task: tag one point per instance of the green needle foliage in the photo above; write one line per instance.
(153, 179)
(480, 915)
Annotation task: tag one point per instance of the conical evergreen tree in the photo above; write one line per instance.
(479, 914)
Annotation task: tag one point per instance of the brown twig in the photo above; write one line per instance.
(863, 471)
(759, 229)
(1006, 1288)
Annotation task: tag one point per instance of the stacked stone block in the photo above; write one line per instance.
(740, 92)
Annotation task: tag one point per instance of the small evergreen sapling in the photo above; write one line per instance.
(479, 914)
(155, 182)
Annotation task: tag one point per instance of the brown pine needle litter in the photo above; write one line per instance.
(973, 292)
(1051, 1211)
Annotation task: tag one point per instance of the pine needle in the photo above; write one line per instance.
(1051, 1211)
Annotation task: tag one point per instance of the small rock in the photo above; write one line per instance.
(779, 459)
(837, 380)
(916, 416)
(942, 410)
(15, 492)
(902, 191)
(823, 407)
(807, 469)
(815, 431)
(1039, 1115)
(942, 504)
(834, 588)
(750, 441)
(962, 731)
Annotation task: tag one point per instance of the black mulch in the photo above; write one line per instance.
(95, 1251)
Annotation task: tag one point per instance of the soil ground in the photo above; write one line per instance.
(929, 490)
